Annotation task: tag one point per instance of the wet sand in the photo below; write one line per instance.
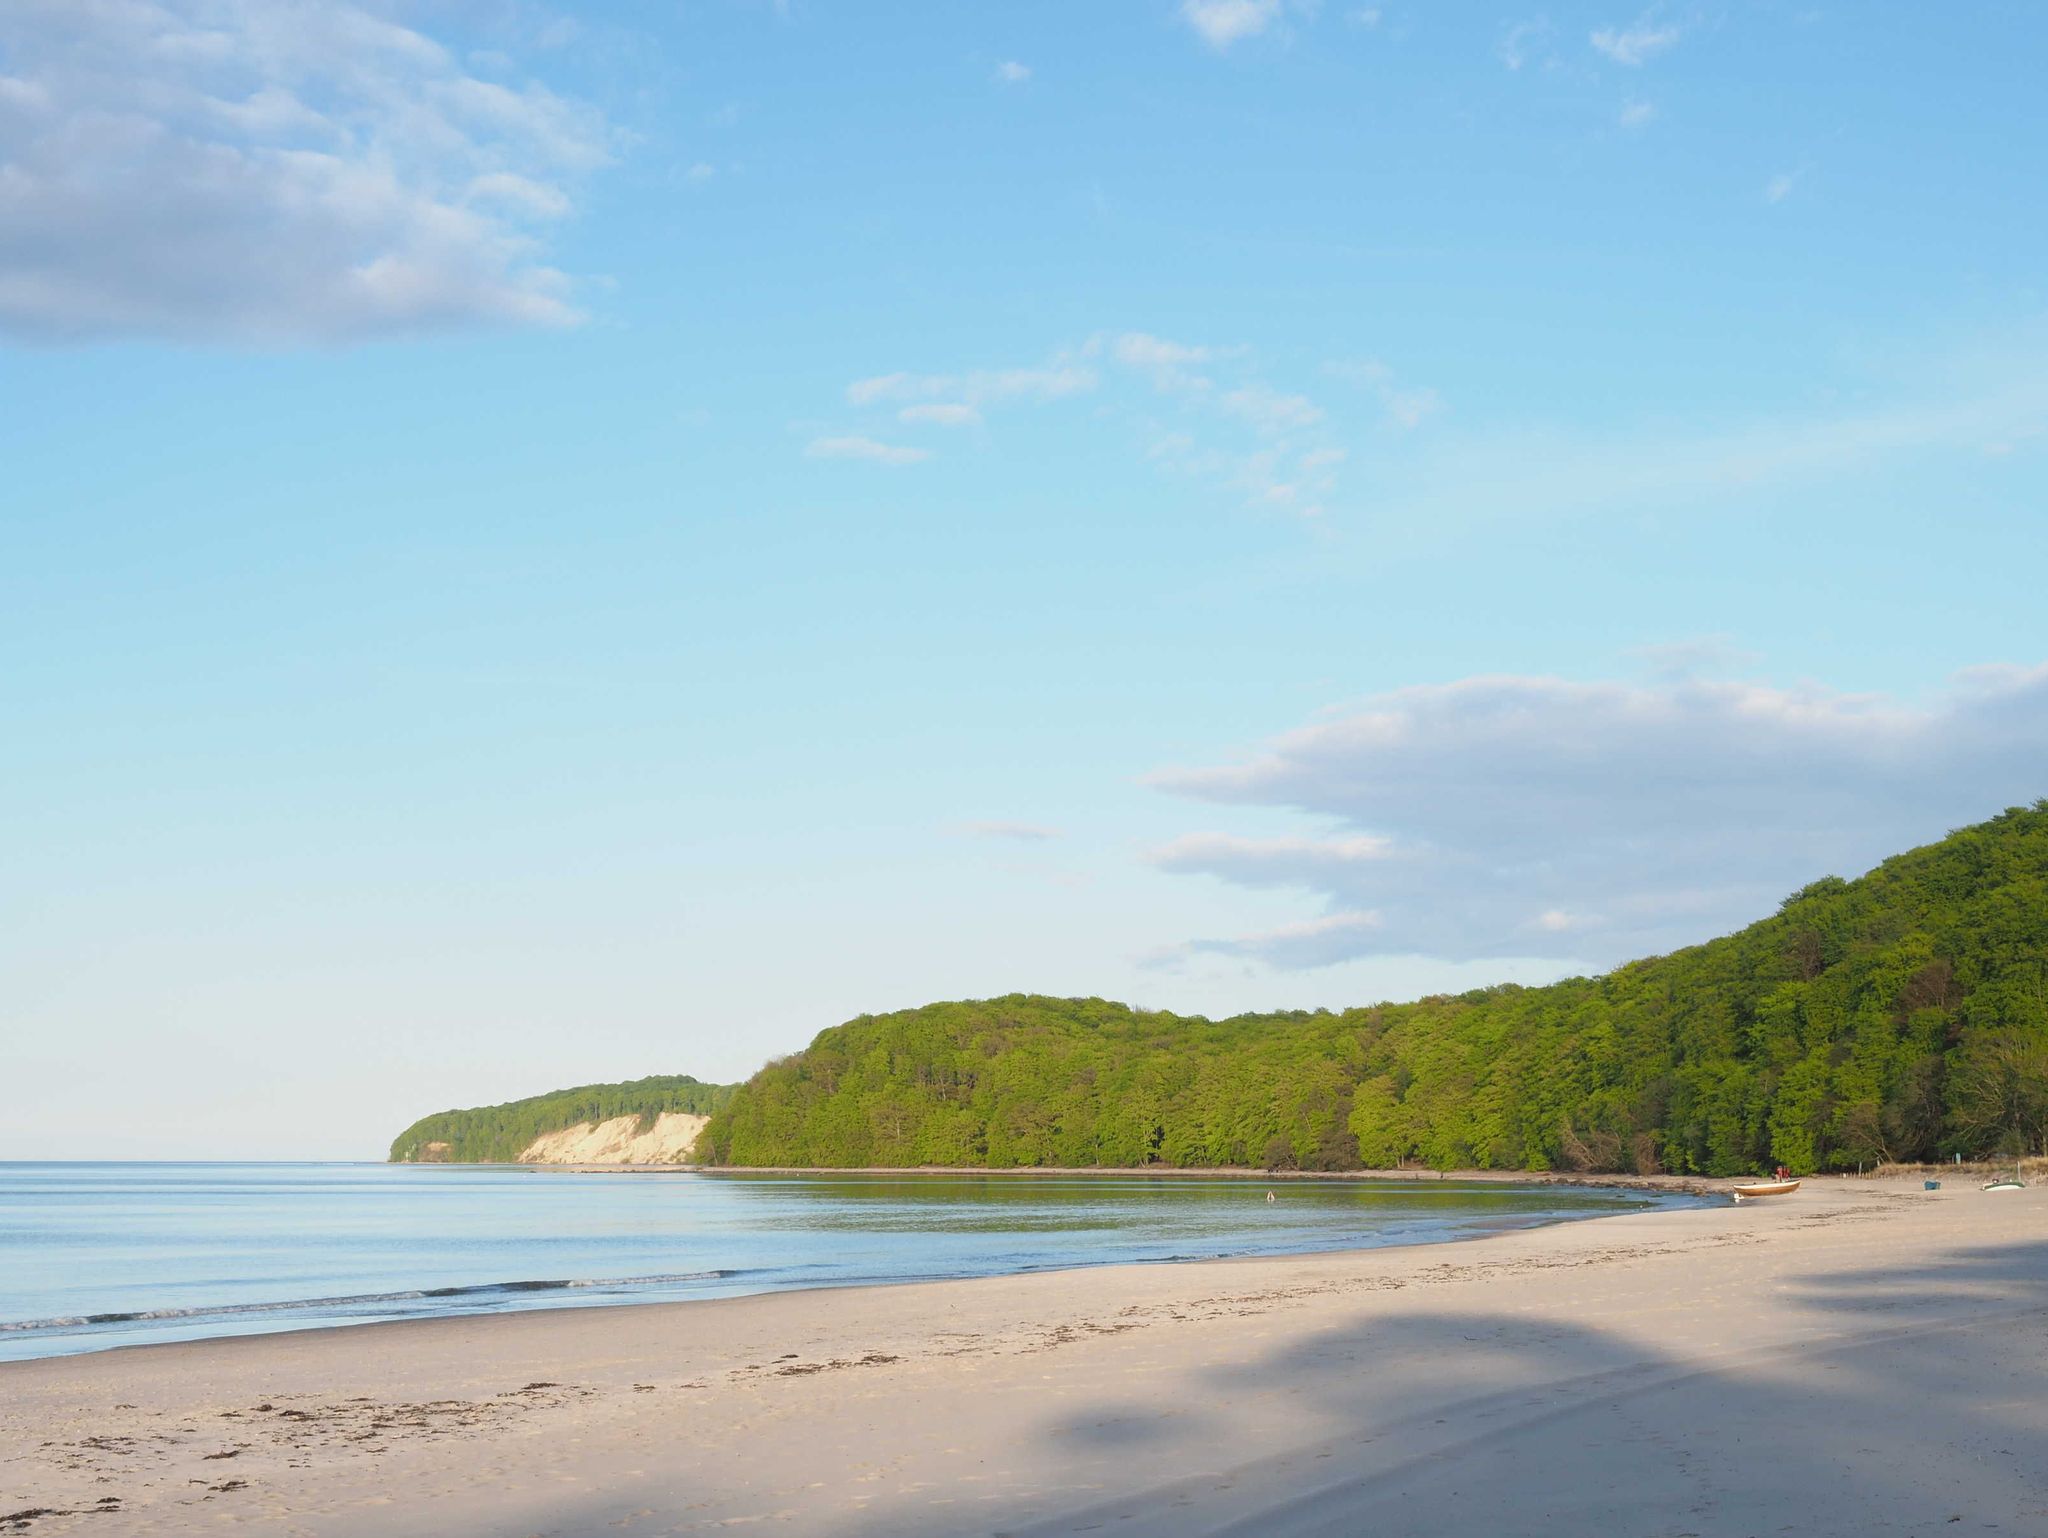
(1861, 1357)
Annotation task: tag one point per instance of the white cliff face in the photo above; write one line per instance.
(619, 1141)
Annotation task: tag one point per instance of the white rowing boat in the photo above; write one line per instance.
(1765, 1188)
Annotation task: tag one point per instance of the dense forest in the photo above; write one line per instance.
(1900, 1016)
(496, 1134)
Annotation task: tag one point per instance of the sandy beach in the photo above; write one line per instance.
(1861, 1357)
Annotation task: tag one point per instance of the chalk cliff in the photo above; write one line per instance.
(621, 1140)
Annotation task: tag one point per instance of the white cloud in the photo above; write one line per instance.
(2023, 437)
(981, 387)
(1406, 406)
(854, 446)
(1283, 476)
(1016, 832)
(1528, 473)
(1280, 460)
(1318, 942)
(1010, 72)
(558, 32)
(1223, 22)
(1268, 861)
(1694, 656)
(1270, 410)
(1140, 349)
(270, 172)
(519, 195)
(1040, 384)
(1519, 42)
(939, 414)
(1170, 364)
(880, 387)
(1640, 41)
(1272, 446)
(701, 171)
(1628, 817)
(1779, 187)
(1636, 114)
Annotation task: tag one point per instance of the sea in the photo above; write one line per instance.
(100, 1255)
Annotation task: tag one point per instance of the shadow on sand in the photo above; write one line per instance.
(1907, 1401)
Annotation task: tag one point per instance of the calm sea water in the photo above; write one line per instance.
(99, 1255)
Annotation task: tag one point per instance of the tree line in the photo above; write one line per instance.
(498, 1134)
(1901, 1016)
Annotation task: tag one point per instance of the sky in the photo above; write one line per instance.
(546, 543)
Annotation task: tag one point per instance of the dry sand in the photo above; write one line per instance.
(1862, 1357)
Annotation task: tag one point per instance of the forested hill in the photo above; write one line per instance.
(497, 1134)
(1903, 1015)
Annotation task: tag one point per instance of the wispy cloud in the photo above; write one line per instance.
(1010, 72)
(1014, 832)
(1168, 362)
(939, 414)
(1475, 818)
(1966, 406)
(1275, 469)
(855, 446)
(1270, 410)
(1694, 656)
(1636, 114)
(1405, 405)
(977, 388)
(1201, 410)
(1781, 186)
(1638, 42)
(1220, 23)
(1268, 861)
(956, 400)
(1317, 942)
(217, 172)
(1521, 42)
(1281, 457)
(883, 387)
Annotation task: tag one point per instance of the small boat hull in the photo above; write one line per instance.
(1765, 1188)
(2005, 1185)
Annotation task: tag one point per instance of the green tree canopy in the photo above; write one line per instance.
(498, 1134)
(1903, 1015)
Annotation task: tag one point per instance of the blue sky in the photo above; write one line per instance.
(539, 547)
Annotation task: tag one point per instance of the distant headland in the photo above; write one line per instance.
(1894, 1018)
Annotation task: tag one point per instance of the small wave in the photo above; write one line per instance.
(358, 1300)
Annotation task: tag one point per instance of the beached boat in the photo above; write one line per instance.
(2010, 1182)
(1765, 1188)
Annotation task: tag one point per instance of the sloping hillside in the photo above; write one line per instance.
(1902, 1015)
(632, 1123)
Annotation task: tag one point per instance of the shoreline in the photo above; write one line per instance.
(1879, 1342)
(1689, 1185)
(282, 1327)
